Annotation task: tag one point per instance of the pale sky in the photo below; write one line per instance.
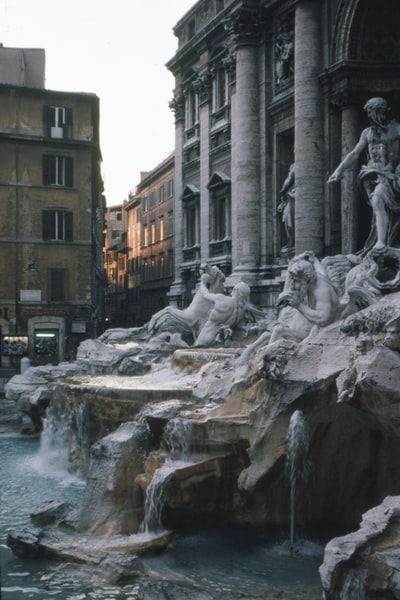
(116, 49)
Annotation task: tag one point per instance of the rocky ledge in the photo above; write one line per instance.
(367, 561)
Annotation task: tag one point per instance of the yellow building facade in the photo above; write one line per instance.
(51, 222)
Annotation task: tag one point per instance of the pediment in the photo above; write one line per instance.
(218, 179)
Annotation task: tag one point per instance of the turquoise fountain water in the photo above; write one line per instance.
(241, 561)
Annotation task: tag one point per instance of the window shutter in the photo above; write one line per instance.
(46, 169)
(57, 285)
(69, 181)
(46, 113)
(46, 119)
(68, 226)
(68, 116)
(46, 224)
(67, 127)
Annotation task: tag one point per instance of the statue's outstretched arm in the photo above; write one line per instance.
(350, 158)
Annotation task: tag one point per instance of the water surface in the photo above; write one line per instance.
(255, 564)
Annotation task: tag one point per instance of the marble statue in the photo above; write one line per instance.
(380, 177)
(226, 313)
(286, 207)
(284, 54)
(308, 301)
(196, 314)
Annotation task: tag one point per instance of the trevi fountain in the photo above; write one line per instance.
(220, 451)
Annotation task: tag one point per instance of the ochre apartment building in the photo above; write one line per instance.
(51, 214)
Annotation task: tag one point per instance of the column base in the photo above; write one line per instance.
(176, 294)
(244, 273)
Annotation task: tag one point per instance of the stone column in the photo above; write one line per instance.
(310, 184)
(245, 148)
(203, 91)
(349, 205)
(177, 288)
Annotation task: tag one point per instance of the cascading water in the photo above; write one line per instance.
(223, 562)
(177, 436)
(155, 497)
(176, 439)
(354, 586)
(297, 463)
(54, 440)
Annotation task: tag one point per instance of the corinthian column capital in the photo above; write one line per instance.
(246, 25)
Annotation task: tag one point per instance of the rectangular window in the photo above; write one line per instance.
(145, 235)
(161, 229)
(145, 270)
(161, 194)
(57, 170)
(170, 223)
(191, 224)
(192, 109)
(170, 188)
(121, 263)
(57, 225)
(161, 266)
(58, 121)
(57, 284)
(220, 89)
(152, 200)
(220, 217)
(153, 232)
(144, 204)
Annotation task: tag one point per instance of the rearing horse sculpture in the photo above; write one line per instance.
(196, 314)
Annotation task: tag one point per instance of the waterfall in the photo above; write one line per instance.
(176, 439)
(297, 463)
(354, 585)
(177, 436)
(155, 497)
(52, 457)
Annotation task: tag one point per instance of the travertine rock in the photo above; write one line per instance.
(370, 556)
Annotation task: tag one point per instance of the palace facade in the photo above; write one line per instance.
(264, 89)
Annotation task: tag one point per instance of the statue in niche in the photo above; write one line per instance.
(286, 206)
(284, 54)
(380, 177)
(195, 315)
(308, 301)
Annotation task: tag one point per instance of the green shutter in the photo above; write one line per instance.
(46, 224)
(69, 179)
(68, 226)
(46, 119)
(68, 116)
(46, 169)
